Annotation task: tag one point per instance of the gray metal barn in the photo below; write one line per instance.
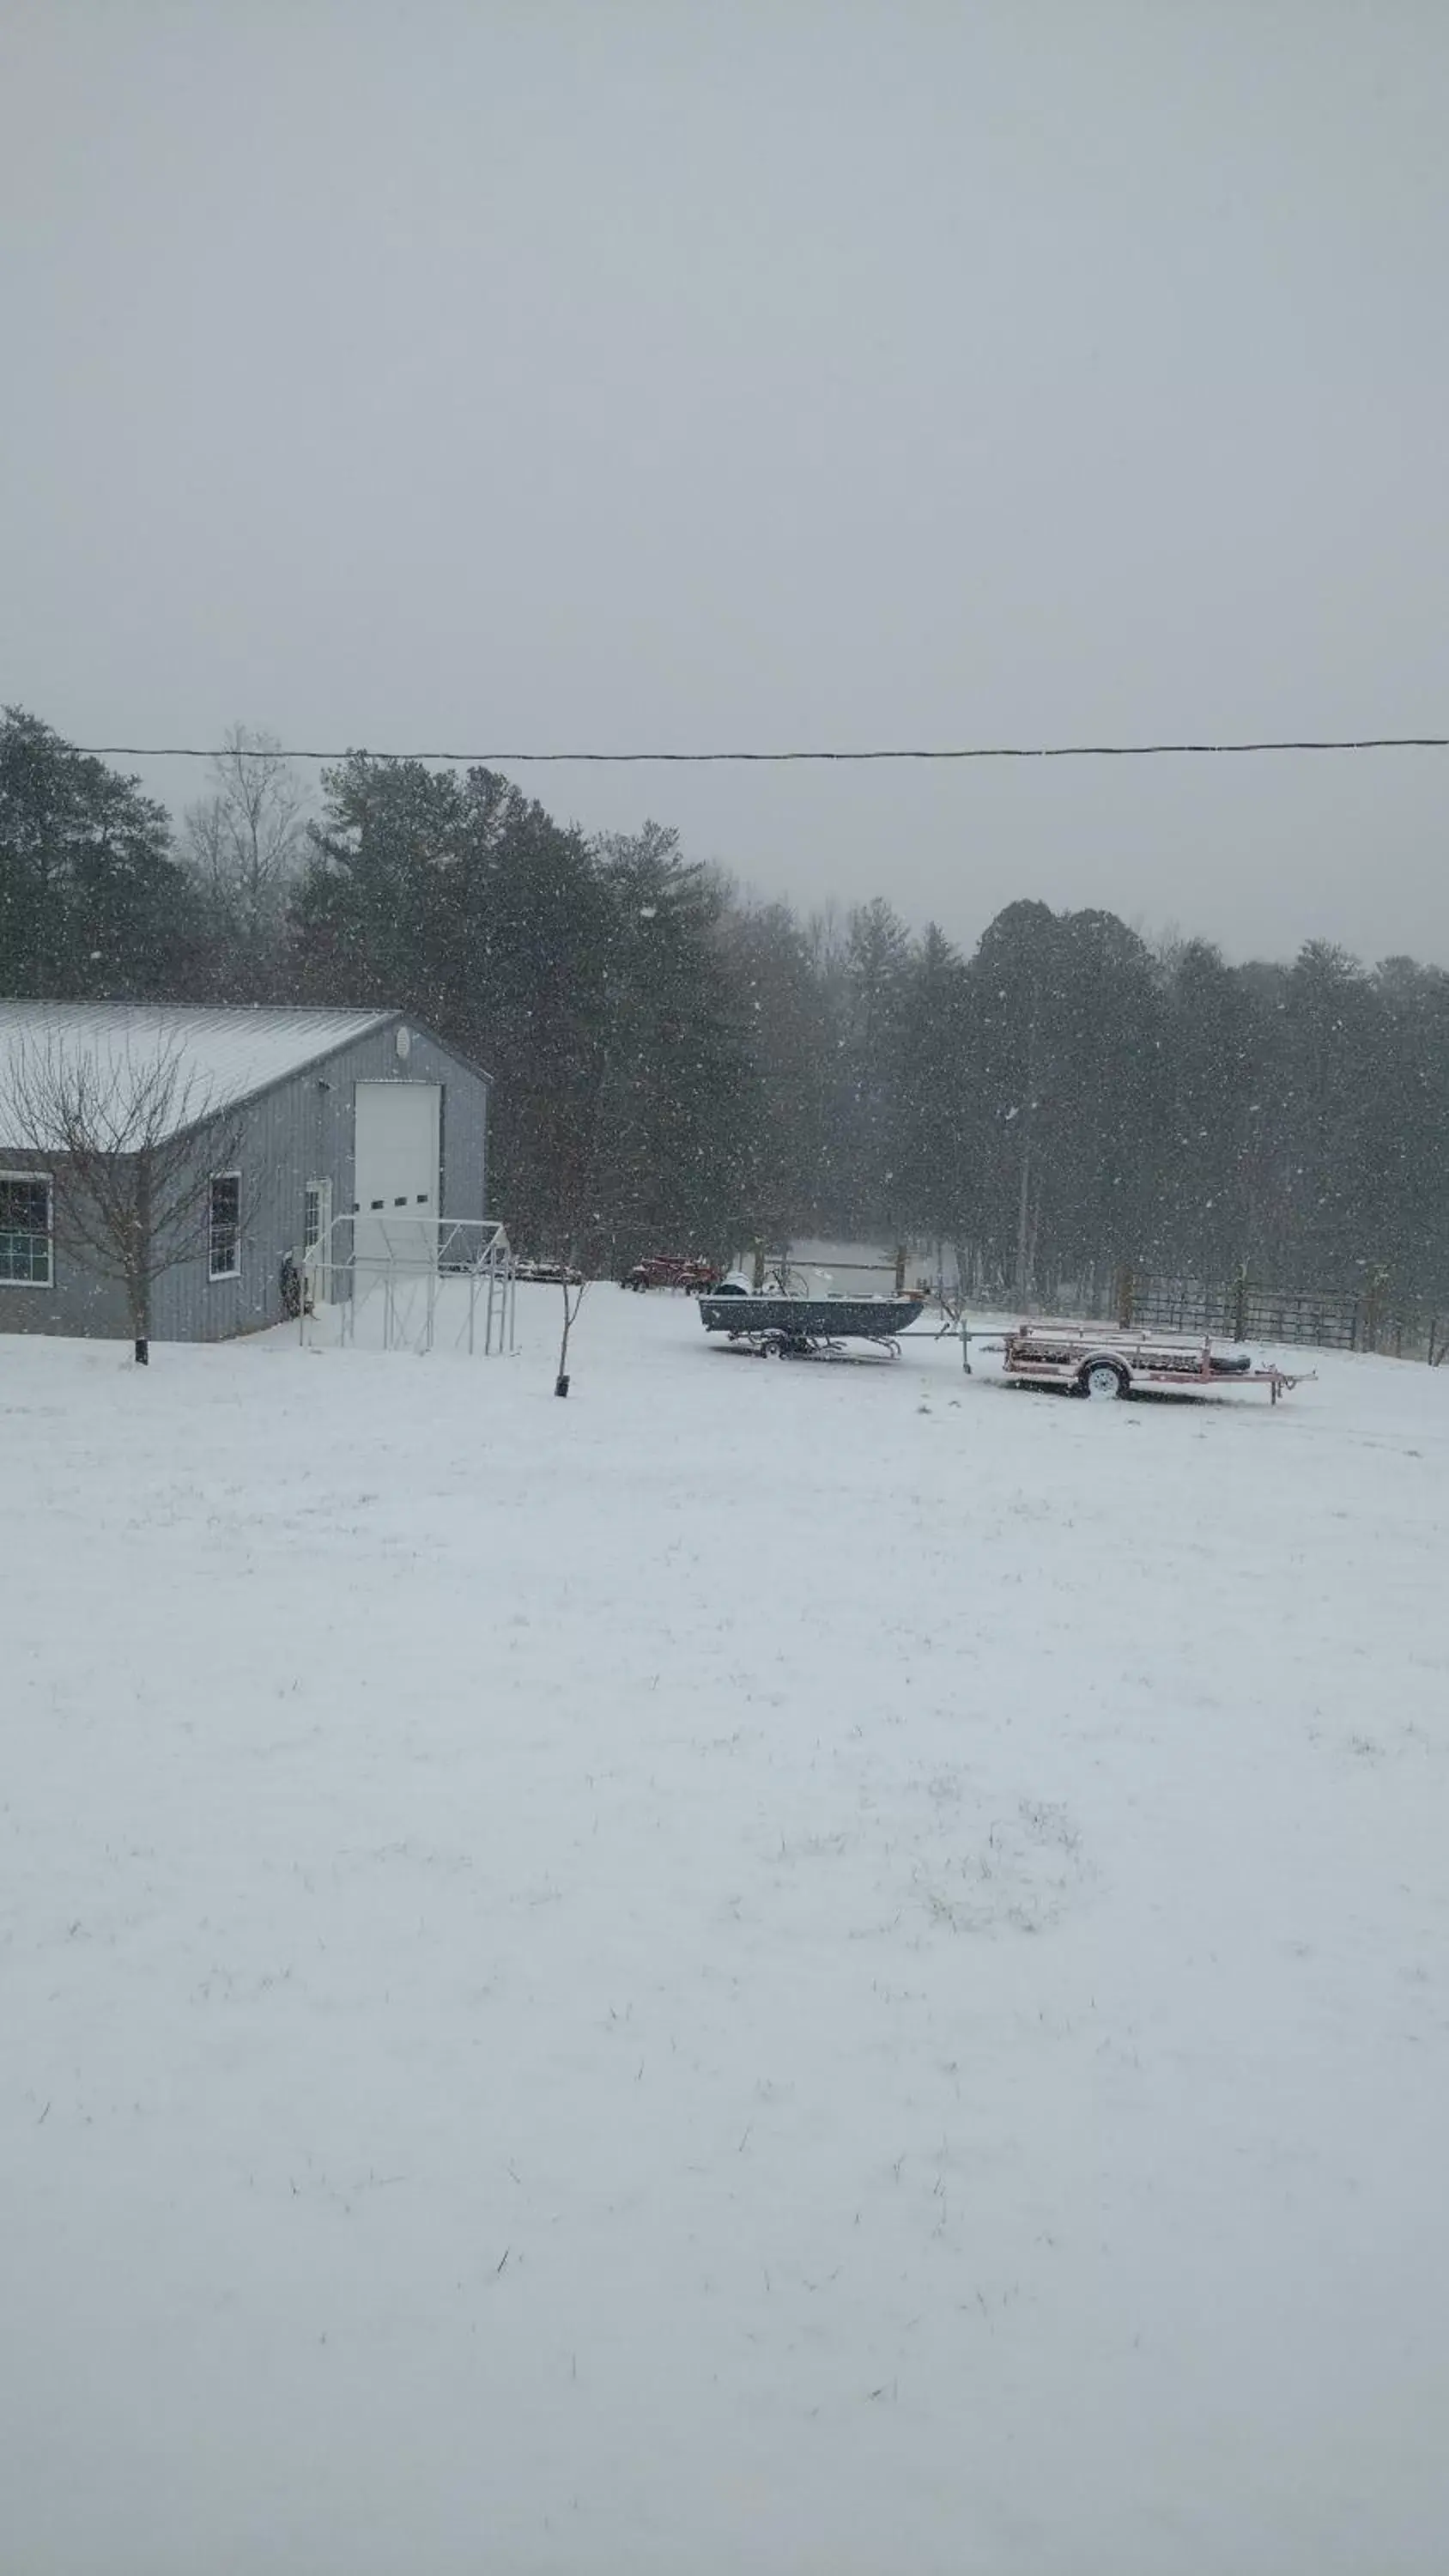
(359, 1115)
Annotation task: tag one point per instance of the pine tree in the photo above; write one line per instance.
(92, 902)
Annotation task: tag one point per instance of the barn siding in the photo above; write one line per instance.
(298, 1132)
(78, 1302)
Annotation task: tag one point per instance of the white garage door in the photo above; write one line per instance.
(398, 1139)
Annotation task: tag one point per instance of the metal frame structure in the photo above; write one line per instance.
(412, 1284)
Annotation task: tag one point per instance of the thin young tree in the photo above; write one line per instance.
(573, 1298)
(131, 1142)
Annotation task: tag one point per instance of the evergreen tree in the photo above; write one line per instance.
(1205, 1176)
(464, 901)
(935, 1153)
(1409, 1126)
(781, 1009)
(875, 985)
(92, 902)
(676, 1068)
(675, 1101)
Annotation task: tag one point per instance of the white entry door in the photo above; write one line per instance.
(398, 1146)
(317, 1242)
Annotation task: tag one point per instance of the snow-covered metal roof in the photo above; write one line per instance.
(221, 1055)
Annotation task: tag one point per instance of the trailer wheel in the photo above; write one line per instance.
(1103, 1378)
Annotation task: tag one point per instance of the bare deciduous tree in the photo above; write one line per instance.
(131, 1143)
(573, 1298)
(246, 842)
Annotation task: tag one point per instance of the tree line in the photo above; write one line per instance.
(679, 1066)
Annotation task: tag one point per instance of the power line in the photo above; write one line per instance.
(709, 759)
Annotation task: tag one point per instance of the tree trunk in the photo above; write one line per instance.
(139, 1293)
(572, 1300)
(138, 1283)
(1023, 1228)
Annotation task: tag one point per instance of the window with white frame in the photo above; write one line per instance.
(26, 1257)
(224, 1227)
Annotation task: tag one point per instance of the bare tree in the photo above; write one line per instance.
(573, 1298)
(246, 842)
(131, 1143)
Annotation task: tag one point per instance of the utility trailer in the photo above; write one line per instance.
(1109, 1361)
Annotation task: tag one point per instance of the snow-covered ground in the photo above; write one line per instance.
(836, 1970)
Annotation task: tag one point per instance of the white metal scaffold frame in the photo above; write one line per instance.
(409, 1284)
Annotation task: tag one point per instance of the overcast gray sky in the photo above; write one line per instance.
(702, 373)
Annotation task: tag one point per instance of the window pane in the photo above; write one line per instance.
(25, 1258)
(25, 1231)
(225, 1230)
(25, 1205)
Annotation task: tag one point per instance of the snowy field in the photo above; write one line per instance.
(831, 1970)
